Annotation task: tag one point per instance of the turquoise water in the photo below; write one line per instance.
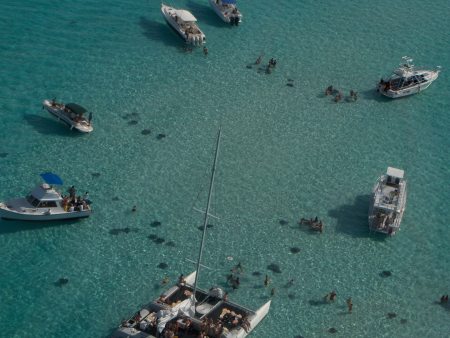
(287, 152)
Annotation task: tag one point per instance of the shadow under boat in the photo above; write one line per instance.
(49, 126)
(159, 31)
(205, 14)
(352, 219)
(11, 226)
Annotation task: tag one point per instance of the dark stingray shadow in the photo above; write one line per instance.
(160, 31)
(126, 230)
(11, 226)
(205, 14)
(50, 126)
(352, 219)
(315, 302)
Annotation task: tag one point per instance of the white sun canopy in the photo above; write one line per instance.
(394, 172)
(185, 15)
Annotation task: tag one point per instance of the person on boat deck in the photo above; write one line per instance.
(86, 198)
(72, 191)
(181, 280)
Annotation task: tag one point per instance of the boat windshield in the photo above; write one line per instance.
(47, 204)
(32, 200)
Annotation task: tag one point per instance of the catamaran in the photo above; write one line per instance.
(407, 80)
(187, 311)
(388, 202)
(227, 11)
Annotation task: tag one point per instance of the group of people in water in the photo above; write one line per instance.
(314, 224)
(272, 63)
(338, 96)
(331, 297)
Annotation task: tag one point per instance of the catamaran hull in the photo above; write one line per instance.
(395, 226)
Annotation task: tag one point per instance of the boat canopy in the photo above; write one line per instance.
(45, 193)
(76, 108)
(51, 178)
(229, 2)
(394, 172)
(185, 15)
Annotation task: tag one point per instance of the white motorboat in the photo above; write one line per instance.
(184, 23)
(407, 80)
(188, 311)
(71, 113)
(388, 202)
(227, 11)
(44, 203)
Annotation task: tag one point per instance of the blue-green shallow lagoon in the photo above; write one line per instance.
(287, 152)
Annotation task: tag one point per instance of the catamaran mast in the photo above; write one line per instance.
(205, 223)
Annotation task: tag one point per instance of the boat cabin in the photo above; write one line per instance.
(394, 176)
(44, 196)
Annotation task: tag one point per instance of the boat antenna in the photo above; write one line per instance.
(205, 222)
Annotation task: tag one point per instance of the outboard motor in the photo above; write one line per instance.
(232, 20)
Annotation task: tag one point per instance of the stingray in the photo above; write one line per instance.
(274, 267)
(3, 155)
(124, 230)
(146, 132)
(385, 273)
(159, 240)
(163, 265)
(295, 250)
(298, 336)
(95, 174)
(152, 236)
(332, 330)
(283, 222)
(256, 273)
(290, 80)
(403, 321)
(115, 198)
(290, 84)
(391, 315)
(208, 226)
(160, 136)
(62, 281)
(291, 296)
(155, 224)
(171, 243)
(132, 122)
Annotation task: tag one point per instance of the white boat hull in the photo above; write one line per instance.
(411, 90)
(193, 38)
(40, 214)
(56, 111)
(392, 213)
(225, 15)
